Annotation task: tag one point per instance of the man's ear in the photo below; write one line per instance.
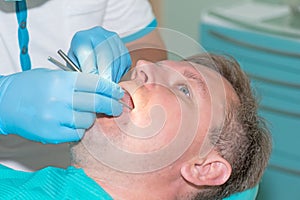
(209, 171)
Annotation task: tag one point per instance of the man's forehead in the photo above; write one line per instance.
(181, 66)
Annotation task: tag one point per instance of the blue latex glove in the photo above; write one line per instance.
(53, 106)
(100, 51)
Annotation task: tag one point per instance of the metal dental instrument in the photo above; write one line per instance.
(124, 104)
(74, 68)
(59, 64)
(68, 60)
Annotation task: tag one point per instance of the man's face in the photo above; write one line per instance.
(175, 103)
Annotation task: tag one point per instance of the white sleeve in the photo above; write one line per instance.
(127, 17)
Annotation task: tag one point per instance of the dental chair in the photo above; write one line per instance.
(249, 194)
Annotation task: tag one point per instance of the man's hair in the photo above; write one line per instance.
(244, 140)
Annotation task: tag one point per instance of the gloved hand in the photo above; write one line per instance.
(100, 51)
(53, 106)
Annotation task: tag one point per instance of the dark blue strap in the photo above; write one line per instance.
(23, 35)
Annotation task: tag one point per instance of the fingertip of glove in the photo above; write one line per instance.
(75, 135)
(117, 111)
(122, 92)
(118, 92)
(80, 134)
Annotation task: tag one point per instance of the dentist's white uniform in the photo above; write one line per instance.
(51, 25)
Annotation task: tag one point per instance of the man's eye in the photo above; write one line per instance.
(184, 89)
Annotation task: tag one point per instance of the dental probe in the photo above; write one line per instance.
(59, 64)
(66, 68)
(68, 60)
(124, 104)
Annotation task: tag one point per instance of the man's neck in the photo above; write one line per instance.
(132, 187)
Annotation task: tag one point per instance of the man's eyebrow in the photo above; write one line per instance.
(201, 84)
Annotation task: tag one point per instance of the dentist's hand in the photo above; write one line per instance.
(52, 106)
(100, 51)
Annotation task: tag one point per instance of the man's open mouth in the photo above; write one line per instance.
(128, 99)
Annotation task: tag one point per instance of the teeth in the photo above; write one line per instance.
(128, 100)
(124, 104)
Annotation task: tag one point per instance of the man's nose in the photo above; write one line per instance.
(144, 71)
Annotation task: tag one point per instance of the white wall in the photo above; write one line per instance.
(184, 15)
